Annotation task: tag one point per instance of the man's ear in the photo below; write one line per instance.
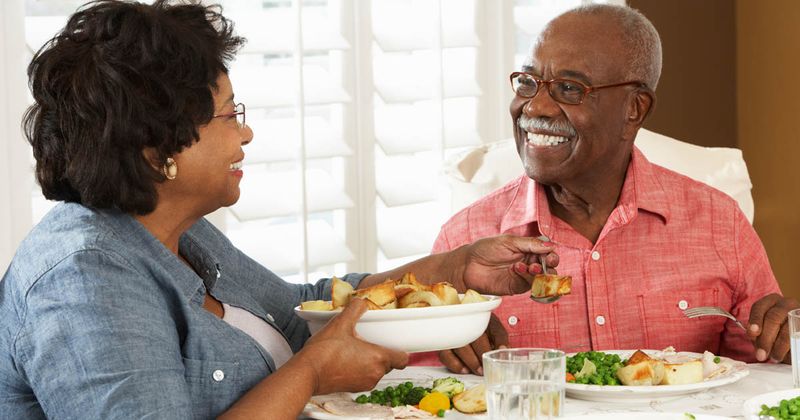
(643, 103)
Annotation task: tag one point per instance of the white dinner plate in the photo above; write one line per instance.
(646, 415)
(416, 329)
(622, 393)
(752, 407)
(316, 412)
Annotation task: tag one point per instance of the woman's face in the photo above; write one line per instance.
(209, 171)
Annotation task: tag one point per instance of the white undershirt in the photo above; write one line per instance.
(265, 334)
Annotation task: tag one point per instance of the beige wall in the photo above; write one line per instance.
(698, 39)
(730, 78)
(768, 66)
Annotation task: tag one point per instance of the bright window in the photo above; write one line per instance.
(356, 106)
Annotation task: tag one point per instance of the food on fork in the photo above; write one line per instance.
(550, 285)
(406, 292)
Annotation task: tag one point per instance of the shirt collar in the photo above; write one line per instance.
(185, 279)
(641, 190)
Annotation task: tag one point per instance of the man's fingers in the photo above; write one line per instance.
(497, 333)
(551, 259)
(469, 358)
(452, 362)
(519, 283)
(528, 245)
(480, 346)
(772, 322)
(758, 311)
(782, 344)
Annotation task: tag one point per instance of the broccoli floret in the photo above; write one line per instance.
(414, 395)
(448, 386)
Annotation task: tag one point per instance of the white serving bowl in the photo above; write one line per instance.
(416, 329)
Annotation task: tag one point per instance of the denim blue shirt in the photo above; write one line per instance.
(101, 321)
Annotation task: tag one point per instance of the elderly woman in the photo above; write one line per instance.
(124, 302)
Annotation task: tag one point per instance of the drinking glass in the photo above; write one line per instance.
(524, 383)
(794, 332)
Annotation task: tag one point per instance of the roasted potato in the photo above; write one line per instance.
(471, 401)
(381, 295)
(340, 291)
(419, 299)
(641, 369)
(471, 296)
(446, 293)
(549, 285)
(317, 305)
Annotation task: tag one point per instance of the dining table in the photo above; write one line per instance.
(726, 400)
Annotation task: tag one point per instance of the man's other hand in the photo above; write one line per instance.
(769, 327)
(469, 359)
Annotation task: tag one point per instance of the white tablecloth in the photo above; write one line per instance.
(721, 401)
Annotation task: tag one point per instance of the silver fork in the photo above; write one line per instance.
(711, 311)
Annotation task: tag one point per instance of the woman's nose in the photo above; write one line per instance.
(247, 136)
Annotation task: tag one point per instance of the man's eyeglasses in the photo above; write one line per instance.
(238, 112)
(566, 91)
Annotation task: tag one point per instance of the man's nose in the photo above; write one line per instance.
(541, 104)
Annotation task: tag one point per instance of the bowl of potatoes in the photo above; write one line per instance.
(407, 315)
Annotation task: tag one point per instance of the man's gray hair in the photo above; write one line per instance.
(639, 36)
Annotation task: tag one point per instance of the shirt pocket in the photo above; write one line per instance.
(213, 385)
(664, 324)
(529, 324)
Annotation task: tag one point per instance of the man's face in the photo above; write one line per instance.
(572, 143)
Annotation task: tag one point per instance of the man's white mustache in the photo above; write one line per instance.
(559, 128)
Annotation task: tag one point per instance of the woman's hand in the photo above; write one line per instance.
(505, 265)
(342, 361)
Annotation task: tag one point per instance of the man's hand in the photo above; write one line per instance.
(469, 359)
(769, 327)
(505, 265)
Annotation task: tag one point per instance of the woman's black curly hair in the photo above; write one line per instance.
(119, 78)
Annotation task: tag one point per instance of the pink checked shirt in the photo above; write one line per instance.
(671, 243)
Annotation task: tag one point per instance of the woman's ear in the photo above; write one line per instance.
(151, 156)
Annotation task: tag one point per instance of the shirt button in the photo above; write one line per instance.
(595, 255)
(600, 320)
(512, 320)
(270, 318)
(218, 375)
(683, 305)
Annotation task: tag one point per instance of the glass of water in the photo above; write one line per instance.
(524, 383)
(794, 331)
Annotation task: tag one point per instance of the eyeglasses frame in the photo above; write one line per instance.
(234, 113)
(586, 89)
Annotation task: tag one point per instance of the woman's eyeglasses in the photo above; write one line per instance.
(238, 112)
(566, 91)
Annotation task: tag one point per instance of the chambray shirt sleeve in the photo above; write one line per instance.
(754, 281)
(85, 352)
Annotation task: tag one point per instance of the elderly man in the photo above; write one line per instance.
(641, 242)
